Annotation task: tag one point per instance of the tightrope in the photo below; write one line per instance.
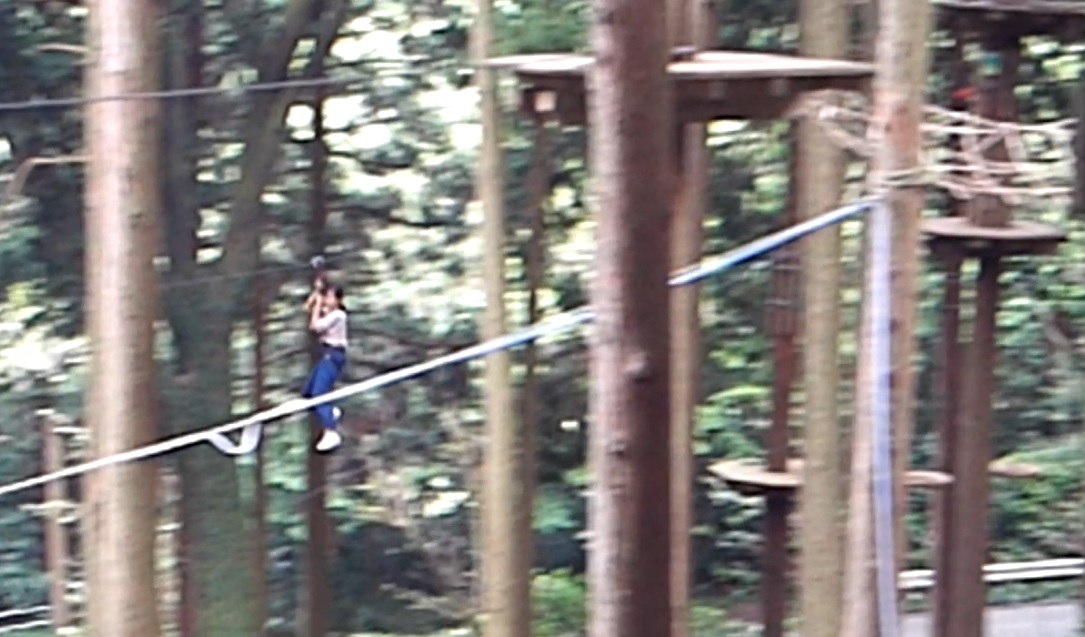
(554, 325)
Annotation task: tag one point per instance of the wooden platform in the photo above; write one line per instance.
(1058, 18)
(751, 477)
(711, 85)
(1019, 238)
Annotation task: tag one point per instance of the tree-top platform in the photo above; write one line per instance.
(709, 85)
(1063, 19)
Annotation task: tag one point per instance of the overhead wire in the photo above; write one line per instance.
(554, 325)
(196, 91)
(170, 284)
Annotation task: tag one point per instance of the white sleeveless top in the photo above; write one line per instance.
(332, 328)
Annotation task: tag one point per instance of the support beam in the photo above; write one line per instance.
(971, 485)
(632, 147)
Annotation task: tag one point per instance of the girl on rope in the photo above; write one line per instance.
(328, 319)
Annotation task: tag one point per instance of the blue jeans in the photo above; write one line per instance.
(322, 380)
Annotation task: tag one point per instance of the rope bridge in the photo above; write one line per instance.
(960, 152)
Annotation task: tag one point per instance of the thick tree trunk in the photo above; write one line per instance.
(820, 177)
(900, 80)
(632, 147)
(122, 231)
(505, 577)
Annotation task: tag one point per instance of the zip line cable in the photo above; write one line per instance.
(271, 269)
(554, 325)
(197, 91)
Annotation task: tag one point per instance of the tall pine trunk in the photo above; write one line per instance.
(899, 82)
(820, 176)
(122, 232)
(632, 150)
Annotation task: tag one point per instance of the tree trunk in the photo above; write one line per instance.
(218, 528)
(505, 579)
(316, 545)
(632, 147)
(122, 231)
(900, 78)
(260, 565)
(823, 26)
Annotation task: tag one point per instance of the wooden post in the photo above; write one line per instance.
(632, 143)
(316, 553)
(122, 302)
(782, 327)
(506, 583)
(971, 487)
(57, 551)
(949, 393)
(691, 23)
(820, 176)
(538, 188)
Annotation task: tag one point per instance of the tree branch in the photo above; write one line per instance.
(264, 134)
(15, 187)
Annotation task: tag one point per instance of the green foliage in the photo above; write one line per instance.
(402, 232)
(558, 598)
(541, 26)
(559, 606)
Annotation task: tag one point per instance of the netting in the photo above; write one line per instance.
(960, 152)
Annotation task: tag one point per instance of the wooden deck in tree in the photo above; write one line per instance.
(708, 86)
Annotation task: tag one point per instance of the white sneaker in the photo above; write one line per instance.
(329, 441)
(337, 413)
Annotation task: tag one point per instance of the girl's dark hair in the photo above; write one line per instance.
(339, 293)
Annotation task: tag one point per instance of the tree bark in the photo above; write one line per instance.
(823, 27)
(122, 231)
(632, 148)
(901, 67)
(506, 579)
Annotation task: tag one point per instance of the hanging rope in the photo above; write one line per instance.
(558, 324)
